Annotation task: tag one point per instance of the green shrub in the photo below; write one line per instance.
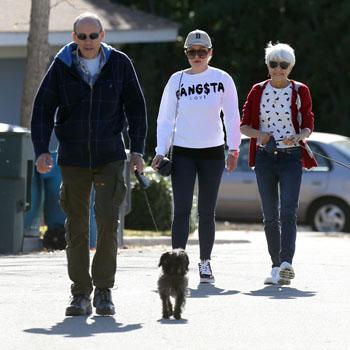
(160, 200)
(159, 194)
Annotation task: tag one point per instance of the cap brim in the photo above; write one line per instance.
(197, 43)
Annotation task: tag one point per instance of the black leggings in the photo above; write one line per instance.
(209, 172)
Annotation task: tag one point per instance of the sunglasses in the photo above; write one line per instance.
(283, 64)
(92, 36)
(201, 53)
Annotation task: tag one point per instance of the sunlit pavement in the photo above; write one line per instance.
(238, 312)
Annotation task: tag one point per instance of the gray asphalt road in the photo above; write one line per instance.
(239, 312)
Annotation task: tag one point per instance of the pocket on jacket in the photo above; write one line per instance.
(107, 92)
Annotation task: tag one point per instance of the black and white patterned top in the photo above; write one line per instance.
(275, 113)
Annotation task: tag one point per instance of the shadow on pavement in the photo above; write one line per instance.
(204, 290)
(82, 326)
(278, 292)
(172, 321)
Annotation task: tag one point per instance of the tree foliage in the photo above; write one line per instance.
(240, 30)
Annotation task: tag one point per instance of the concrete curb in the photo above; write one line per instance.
(34, 244)
(221, 237)
(166, 241)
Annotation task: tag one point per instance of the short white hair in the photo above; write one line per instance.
(279, 52)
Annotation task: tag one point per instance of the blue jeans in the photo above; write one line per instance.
(279, 178)
(183, 177)
(93, 226)
(45, 200)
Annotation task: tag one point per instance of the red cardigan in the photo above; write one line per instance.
(251, 112)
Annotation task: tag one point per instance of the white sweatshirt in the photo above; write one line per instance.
(198, 125)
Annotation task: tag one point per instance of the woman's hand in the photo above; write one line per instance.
(291, 140)
(231, 161)
(263, 138)
(294, 139)
(156, 161)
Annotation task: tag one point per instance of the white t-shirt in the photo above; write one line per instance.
(92, 65)
(198, 125)
(275, 113)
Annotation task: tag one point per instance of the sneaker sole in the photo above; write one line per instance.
(105, 312)
(284, 282)
(281, 282)
(207, 280)
(268, 281)
(287, 274)
(78, 312)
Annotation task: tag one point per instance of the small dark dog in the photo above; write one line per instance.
(173, 282)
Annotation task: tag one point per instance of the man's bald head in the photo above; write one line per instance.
(87, 17)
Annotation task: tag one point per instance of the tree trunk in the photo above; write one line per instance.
(37, 56)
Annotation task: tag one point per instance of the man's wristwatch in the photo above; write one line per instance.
(233, 152)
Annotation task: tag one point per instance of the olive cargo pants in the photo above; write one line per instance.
(110, 190)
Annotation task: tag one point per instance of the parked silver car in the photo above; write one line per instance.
(324, 201)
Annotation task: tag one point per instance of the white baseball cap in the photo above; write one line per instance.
(198, 37)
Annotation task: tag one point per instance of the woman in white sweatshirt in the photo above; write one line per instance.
(203, 92)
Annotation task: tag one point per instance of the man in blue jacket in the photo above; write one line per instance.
(88, 95)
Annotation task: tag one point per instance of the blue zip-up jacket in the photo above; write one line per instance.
(88, 120)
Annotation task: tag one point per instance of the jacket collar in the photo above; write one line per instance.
(66, 54)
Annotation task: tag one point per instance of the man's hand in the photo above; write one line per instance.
(44, 163)
(136, 162)
(156, 161)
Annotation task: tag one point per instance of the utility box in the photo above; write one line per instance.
(16, 167)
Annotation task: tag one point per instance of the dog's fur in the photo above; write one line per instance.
(173, 282)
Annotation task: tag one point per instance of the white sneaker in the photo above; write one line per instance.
(275, 276)
(286, 273)
(205, 272)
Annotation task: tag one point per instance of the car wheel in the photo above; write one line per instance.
(330, 215)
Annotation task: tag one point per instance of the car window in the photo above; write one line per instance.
(323, 163)
(343, 147)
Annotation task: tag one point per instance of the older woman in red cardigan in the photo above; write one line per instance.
(278, 117)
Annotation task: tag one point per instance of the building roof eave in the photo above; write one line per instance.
(15, 39)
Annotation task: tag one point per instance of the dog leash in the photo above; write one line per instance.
(145, 183)
(311, 153)
(307, 147)
(329, 158)
(150, 209)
